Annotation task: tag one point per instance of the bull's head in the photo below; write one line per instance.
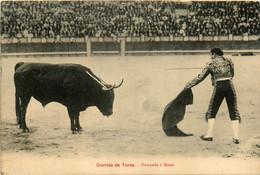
(105, 104)
(106, 96)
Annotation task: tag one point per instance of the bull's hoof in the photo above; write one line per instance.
(26, 130)
(79, 132)
(80, 129)
(74, 132)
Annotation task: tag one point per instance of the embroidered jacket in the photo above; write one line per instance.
(219, 68)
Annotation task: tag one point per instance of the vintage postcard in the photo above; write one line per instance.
(130, 87)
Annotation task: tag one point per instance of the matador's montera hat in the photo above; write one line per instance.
(217, 51)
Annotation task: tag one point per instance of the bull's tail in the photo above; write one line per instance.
(18, 108)
(18, 65)
(17, 98)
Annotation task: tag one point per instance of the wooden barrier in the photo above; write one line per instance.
(124, 47)
(137, 52)
(42, 54)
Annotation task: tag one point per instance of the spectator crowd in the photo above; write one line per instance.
(128, 18)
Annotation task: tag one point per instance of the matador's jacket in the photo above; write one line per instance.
(220, 69)
(222, 73)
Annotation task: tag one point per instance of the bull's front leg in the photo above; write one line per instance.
(72, 125)
(74, 121)
(79, 128)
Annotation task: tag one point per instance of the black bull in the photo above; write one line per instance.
(72, 85)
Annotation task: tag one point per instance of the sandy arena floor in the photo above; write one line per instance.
(133, 134)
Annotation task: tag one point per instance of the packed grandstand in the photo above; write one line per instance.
(128, 18)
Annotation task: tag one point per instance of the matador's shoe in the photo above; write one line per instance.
(206, 138)
(235, 141)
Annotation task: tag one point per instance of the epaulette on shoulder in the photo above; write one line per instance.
(229, 60)
(209, 63)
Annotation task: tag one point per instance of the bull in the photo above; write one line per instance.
(72, 85)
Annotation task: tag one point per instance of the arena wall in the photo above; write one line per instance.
(43, 47)
(193, 45)
(128, 48)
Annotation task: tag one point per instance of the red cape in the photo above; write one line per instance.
(174, 113)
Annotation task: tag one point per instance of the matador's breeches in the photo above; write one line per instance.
(223, 89)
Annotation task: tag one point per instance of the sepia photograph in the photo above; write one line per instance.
(129, 87)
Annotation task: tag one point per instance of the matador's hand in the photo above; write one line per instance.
(187, 85)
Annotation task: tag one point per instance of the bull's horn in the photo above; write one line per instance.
(114, 86)
(117, 86)
(104, 87)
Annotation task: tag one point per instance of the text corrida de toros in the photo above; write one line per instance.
(115, 165)
(104, 165)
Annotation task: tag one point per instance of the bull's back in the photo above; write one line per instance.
(45, 82)
(38, 70)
